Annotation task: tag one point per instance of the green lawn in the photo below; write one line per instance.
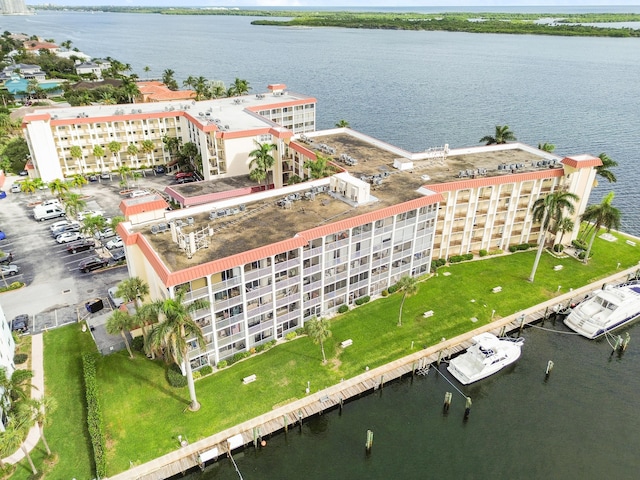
(143, 415)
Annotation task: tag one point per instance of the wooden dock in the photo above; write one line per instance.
(293, 414)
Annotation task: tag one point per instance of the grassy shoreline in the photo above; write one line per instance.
(470, 22)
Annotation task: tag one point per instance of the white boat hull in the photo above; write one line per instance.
(486, 357)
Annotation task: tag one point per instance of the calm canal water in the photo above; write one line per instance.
(418, 90)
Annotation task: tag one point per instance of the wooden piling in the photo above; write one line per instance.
(369, 442)
(467, 408)
(626, 341)
(549, 368)
(439, 357)
(285, 420)
(447, 402)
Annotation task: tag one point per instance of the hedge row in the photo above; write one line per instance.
(522, 246)
(94, 414)
(460, 258)
(362, 300)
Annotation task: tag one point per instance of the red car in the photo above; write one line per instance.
(184, 175)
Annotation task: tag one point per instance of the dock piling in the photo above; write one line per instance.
(467, 409)
(369, 442)
(447, 402)
(549, 368)
(626, 341)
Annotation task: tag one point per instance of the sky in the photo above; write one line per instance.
(335, 3)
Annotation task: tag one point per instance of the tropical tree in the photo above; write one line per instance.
(240, 87)
(73, 204)
(124, 172)
(201, 87)
(41, 408)
(190, 82)
(172, 144)
(120, 322)
(58, 188)
(173, 329)
(601, 215)
(342, 124)
(14, 437)
(169, 80)
(148, 147)
(133, 289)
(78, 180)
(409, 286)
(131, 90)
(28, 186)
(565, 224)
(93, 224)
(502, 135)
(262, 161)
(147, 69)
(132, 151)
(320, 167)
(115, 148)
(604, 169)
(546, 210)
(99, 152)
(76, 153)
(14, 387)
(217, 90)
(546, 147)
(319, 331)
(115, 221)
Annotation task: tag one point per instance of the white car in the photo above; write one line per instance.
(68, 237)
(59, 224)
(90, 213)
(115, 243)
(106, 233)
(139, 193)
(117, 301)
(10, 269)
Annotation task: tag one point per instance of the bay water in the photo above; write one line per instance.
(418, 90)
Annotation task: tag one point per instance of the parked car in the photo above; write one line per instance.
(105, 176)
(11, 269)
(20, 323)
(92, 263)
(117, 301)
(118, 254)
(2, 235)
(67, 237)
(74, 227)
(159, 169)
(186, 180)
(92, 178)
(115, 243)
(139, 193)
(89, 213)
(81, 245)
(180, 175)
(7, 259)
(59, 224)
(23, 173)
(16, 188)
(48, 212)
(106, 233)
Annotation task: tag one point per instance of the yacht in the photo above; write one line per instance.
(488, 355)
(607, 309)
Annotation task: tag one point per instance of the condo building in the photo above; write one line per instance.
(269, 259)
(7, 353)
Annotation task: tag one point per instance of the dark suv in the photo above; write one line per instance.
(92, 263)
(20, 324)
(81, 245)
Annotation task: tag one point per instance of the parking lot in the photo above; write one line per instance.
(57, 291)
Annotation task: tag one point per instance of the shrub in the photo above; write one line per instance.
(392, 289)
(384, 293)
(196, 374)
(483, 253)
(175, 377)
(138, 344)
(269, 344)
(520, 247)
(20, 358)
(497, 251)
(222, 364)
(206, 370)
(456, 258)
(290, 335)
(343, 308)
(94, 414)
(300, 331)
(362, 300)
(579, 244)
(558, 247)
(467, 256)
(441, 262)
(260, 348)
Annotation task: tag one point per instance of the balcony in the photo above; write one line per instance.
(257, 273)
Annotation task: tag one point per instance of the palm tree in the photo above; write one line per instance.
(120, 322)
(175, 325)
(602, 215)
(40, 409)
(115, 148)
(565, 224)
(169, 80)
(546, 147)
(93, 224)
(217, 91)
(240, 87)
(73, 204)
(604, 169)
(14, 387)
(115, 221)
(147, 69)
(502, 135)
(14, 436)
(172, 144)
(408, 285)
(319, 168)
(78, 180)
(133, 290)
(546, 210)
(76, 153)
(131, 90)
(262, 161)
(189, 82)
(28, 186)
(318, 330)
(343, 124)
(132, 151)
(124, 172)
(148, 147)
(98, 152)
(201, 87)
(58, 187)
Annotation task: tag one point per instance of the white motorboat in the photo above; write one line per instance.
(488, 355)
(608, 309)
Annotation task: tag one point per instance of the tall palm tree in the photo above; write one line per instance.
(133, 289)
(240, 87)
(502, 135)
(41, 408)
(319, 168)
(409, 286)
(601, 215)
(604, 169)
(148, 147)
(201, 86)
(15, 387)
(217, 91)
(115, 148)
(262, 161)
(28, 186)
(132, 151)
(147, 69)
(76, 153)
(169, 80)
(13, 438)
(78, 180)
(546, 147)
(93, 224)
(131, 90)
(99, 152)
(318, 330)
(549, 209)
(120, 322)
(58, 188)
(342, 124)
(73, 204)
(565, 224)
(175, 326)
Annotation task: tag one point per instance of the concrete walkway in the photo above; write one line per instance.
(37, 391)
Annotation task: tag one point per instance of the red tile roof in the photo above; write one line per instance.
(582, 161)
(489, 181)
(149, 203)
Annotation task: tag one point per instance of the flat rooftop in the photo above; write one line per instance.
(264, 222)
